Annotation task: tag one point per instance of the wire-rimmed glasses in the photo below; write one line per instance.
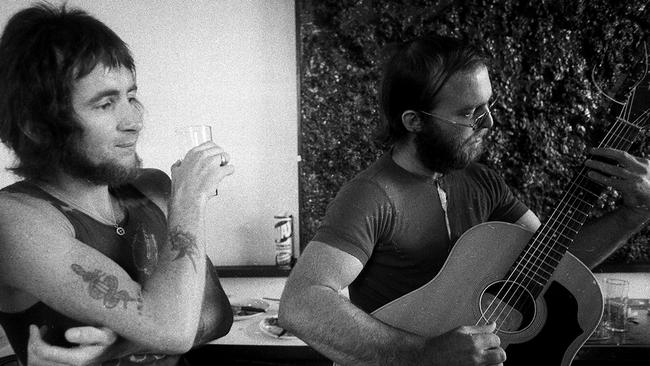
(476, 121)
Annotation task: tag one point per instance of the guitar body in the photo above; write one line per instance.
(548, 331)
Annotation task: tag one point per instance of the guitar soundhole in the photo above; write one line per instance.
(508, 304)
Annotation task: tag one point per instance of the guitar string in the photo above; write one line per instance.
(533, 258)
(554, 221)
(513, 287)
(629, 141)
(524, 261)
(497, 295)
(530, 278)
(626, 141)
(551, 247)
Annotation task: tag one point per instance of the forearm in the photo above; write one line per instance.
(600, 237)
(215, 321)
(173, 294)
(342, 332)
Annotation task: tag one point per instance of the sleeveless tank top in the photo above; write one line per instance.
(136, 252)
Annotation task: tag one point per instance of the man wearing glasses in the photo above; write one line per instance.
(391, 228)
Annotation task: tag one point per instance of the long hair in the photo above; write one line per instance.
(43, 51)
(413, 74)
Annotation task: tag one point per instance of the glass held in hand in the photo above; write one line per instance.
(189, 137)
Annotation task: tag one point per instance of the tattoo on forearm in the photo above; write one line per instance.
(184, 243)
(104, 287)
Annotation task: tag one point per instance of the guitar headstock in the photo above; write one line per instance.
(637, 106)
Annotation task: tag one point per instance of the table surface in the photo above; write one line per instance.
(246, 332)
(5, 348)
(637, 331)
(243, 332)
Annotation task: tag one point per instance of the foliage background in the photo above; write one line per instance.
(543, 54)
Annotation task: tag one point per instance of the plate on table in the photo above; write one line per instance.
(269, 326)
(248, 308)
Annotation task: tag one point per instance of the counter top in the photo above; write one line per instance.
(247, 331)
(631, 345)
(246, 336)
(5, 348)
(244, 332)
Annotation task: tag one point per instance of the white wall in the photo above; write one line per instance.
(230, 64)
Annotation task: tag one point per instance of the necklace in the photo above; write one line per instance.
(119, 230)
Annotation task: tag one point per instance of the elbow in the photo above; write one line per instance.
(215, 322)
(173, 335)
(184, 340)
(178, 340)
(286, 321)
(225, 323)
(218, 324)
(288, 312)
(178, 348)
(170, 342)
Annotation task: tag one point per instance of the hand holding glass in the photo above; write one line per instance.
(190, 137)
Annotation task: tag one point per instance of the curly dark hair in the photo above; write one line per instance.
(413, 74)
(43, 50)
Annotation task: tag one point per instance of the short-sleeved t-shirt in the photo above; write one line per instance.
(393, 221)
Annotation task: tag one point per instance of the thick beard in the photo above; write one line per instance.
(443, 154)
(76, 163)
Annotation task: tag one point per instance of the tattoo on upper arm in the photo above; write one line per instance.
(184, 243)
(104, 287)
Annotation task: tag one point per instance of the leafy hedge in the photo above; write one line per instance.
(543, 55)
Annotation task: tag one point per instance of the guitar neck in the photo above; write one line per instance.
(548, 246)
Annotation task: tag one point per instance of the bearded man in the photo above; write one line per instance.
(89, 238)
(390, 229)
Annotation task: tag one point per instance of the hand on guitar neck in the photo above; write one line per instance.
(628, 174)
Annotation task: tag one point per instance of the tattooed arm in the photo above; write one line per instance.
(216, 314)
(96, 345)
(216, 320)
(42, 261)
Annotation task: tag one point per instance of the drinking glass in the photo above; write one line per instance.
(191, 136)
(616, 292)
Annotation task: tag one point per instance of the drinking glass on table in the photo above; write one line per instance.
(616, 292)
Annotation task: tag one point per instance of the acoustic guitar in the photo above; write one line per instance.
(544, 301)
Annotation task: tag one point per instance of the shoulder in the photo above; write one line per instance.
(361, 199)
(480, 171)
(363, 189)
(24, 218)
(154, 184)
(15, 206)
(20, 205)
(378, 180)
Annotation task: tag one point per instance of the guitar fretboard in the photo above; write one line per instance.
(549, 244)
